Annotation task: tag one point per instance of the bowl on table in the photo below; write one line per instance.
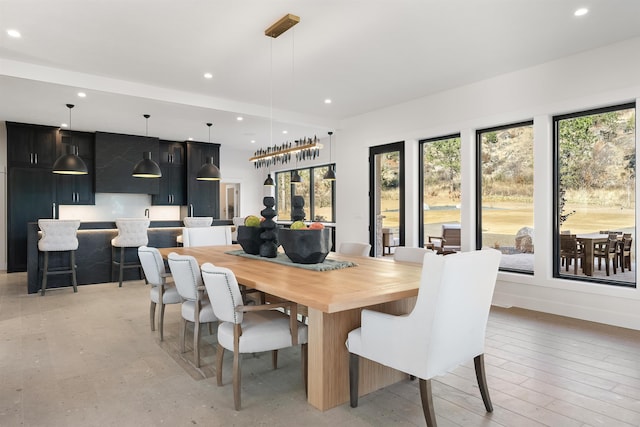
(305, 246)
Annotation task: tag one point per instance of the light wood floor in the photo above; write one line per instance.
(89, 359)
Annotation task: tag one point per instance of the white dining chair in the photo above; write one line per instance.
(59, 235)
(413, 255)
(206, 236)
(162, 290)
(250, 329)
(445, 329)
(354, 248)
(196, 307)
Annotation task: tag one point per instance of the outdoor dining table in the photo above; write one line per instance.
(588, 242)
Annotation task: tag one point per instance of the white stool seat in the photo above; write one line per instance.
(59, 235)
(132, 233)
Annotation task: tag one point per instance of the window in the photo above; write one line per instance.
(594, 197)
(319, 204)
(440, 185)
(505, 194)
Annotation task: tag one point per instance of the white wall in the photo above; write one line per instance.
(602, 77)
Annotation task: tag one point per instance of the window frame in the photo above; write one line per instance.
(309, 210)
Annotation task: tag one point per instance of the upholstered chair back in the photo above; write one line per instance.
(197, 221)
(206, 236)
(58, 234)
(354, 248)
(152, 264)
(186, 275)
(132, 232)
(224, 292)
(414, 255)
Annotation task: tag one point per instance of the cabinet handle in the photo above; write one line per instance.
(36, 157)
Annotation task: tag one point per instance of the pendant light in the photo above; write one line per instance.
(70, 163)
(269, 181)
(331, 174)
(209, 171)
(147, 168)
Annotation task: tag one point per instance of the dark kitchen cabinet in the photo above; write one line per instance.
(31, 145)
(203, 197)
(173, 181)
(30, 196)
(77, 189)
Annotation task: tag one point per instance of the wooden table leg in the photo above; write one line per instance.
(587, 267)
(328, 369)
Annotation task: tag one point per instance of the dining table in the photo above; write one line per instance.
(588, 242)
(333, 301)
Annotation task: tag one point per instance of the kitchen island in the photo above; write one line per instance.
(93, 256)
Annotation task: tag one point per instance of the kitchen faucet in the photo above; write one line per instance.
(146, 212)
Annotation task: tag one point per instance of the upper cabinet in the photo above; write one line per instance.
(77, 189)
(172, 190)
(31, 145)
(116, 156)
(203, 197)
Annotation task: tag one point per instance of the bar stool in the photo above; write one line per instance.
(193, 221)
(132, 233)
(59, 235)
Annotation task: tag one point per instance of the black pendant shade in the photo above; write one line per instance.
(296, 178)
(269, 181)
(146, 168)
(209, 171)
(330, 175)
(70, 163)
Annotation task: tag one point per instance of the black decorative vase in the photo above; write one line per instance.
(297, 213)
(249, 239)
(305, 246)
(269, 234)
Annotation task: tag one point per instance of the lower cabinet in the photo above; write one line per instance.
(30, 196)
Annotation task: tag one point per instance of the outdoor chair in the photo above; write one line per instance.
(608, 252)
(448, 241)
(570, 251)
(624, 252)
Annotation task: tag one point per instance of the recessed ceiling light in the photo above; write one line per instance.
(253, 141)
(285, 132)
(14, 33)
(64, 125)
(327, 101)
(190, 139)
(239, 118)
(581, 12)
(82, 94)
(208, 75)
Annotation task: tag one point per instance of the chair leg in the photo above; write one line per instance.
(427, 402)
(274, 359)
(183, 335)
(478, 361)
(45, 269)
(161, 321)
(354, 371)
(152, 315)
(122, 251)
(305, 363)
(219, 357)
(74, 280)
(236, 380)
(196, 343)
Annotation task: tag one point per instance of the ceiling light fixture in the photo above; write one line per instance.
(70, 163)
(331, 173)
(282, 25)
(208, 75)
(581, 12)
(209, 171)
(147, 168)
(14, 33)
(327, 101)
(82, 94)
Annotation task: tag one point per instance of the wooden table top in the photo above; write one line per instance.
(372, 281)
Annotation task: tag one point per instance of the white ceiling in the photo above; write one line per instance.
(135, 57)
